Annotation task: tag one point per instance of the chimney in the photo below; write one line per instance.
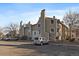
(43, 13)
(53, 17)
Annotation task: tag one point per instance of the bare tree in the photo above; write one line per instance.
(12, 29)
(1, 32)
(71, 17)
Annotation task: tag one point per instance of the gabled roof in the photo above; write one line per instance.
(63, 24)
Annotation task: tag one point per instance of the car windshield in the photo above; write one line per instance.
(36, 38)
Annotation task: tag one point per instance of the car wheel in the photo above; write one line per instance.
(46, 43)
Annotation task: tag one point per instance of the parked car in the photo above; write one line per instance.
(13, 39)
(9, 39)
(40, 41)
(1, 38)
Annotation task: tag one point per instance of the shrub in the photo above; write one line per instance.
(24, 38)
(71, 40)
(57, 37)
(30, 38)
(68, 38)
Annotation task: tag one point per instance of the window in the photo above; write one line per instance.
(39, 31)
(52, 21)
(73, 30)
(72, 35)
(34, 33)
(58, 21)
(57, 29)
(38, 25)
(52, 30)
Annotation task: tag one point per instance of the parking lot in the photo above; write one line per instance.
(26, 48)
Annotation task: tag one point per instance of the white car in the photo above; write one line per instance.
(40, 40)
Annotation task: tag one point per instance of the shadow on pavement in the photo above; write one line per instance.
(49, 50)
(52, 50)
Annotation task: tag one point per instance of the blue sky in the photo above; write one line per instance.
(14, 13)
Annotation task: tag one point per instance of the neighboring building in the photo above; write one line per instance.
(64, 31)
(48, 27)
(74, 32)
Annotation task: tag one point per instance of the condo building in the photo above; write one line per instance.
(48, 27)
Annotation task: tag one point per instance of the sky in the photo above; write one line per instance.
(15, 12)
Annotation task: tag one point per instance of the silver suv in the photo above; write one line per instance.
(40, 40)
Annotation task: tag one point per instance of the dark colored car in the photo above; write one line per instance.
(10, 39)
